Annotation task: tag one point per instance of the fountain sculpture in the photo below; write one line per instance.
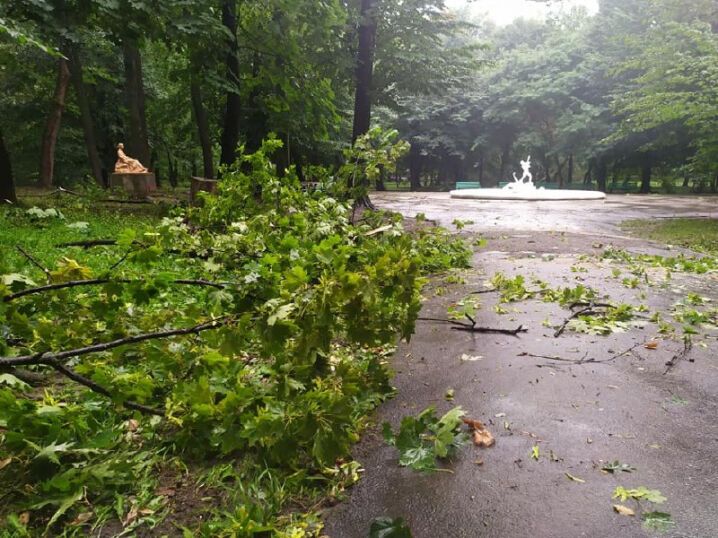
(523, 188)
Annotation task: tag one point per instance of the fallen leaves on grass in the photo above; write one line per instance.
(481, 436)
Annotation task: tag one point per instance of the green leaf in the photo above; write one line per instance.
(12, 381)
(385, 527)
(618, 466)
(658, 521)
(65, 504)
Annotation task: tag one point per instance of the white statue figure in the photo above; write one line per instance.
(526, 167)
(526, 181)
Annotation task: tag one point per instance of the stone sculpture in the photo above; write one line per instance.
(526, 181)
(127, 165)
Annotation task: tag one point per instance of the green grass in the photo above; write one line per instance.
(40, 237)
(697, 234)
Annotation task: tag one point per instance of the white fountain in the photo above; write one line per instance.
(523, 188)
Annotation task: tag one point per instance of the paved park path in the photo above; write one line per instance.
(580, 415)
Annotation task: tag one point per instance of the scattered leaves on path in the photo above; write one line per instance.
(659, 521)
(386, 527)
(575, 478)
(618, 466)
(535, 452)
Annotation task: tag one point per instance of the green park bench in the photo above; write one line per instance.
(461, 185)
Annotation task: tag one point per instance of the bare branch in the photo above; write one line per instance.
(35, 262)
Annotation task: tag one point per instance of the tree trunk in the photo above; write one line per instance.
(138, 145)
(230, 129)
(256, 128)
(601, 174)
(7, 181)
(559, 171)
(52, 125)
(646, 174)
(380, 179)
(481, 170)
(88, 124)
(364, 69)
(587, 178)
(200, 116)
(569, 179)
(414, 168)
(505, 156)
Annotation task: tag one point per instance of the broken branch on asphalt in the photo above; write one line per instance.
(687, 347)
(472, 328)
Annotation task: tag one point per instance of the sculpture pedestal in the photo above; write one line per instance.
(201, 184)
(138, 186)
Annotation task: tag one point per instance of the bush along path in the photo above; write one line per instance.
(599, 412)
(205, 374)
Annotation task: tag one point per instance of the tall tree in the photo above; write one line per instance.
(52, 125)
(364, 68)
(138, 141)
(83, 103)
(232, 112)
(7, 181)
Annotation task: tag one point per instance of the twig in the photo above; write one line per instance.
(35, 262)
(120, 261)
(582, 360)
(629, 351)
(480, 292)
(586, 303)
(574, 315)
(99, 281)
(687, 346)
(89, 243)
(121, 201)
(439, 320)
(47, 357)
(489, 330)
(459, 326)
(82, 380)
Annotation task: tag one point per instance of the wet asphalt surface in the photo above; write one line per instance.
(579, 415)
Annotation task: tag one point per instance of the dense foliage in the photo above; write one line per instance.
(288, 310)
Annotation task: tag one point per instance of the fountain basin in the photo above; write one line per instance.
(535, 195)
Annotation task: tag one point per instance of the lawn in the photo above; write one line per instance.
(697, 234)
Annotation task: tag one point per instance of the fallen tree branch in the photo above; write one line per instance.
(459, 326)
(480, 292)
(47, 358)
(587, 303)
(35, 262)
(687, 346)
(82, 380)
(489, 330)
(583, 312)
(89, 243)
(439, 320)
(28, 376)
(582, 360)
(100, 281)
(123, 201)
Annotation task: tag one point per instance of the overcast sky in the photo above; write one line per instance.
(505, 11)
